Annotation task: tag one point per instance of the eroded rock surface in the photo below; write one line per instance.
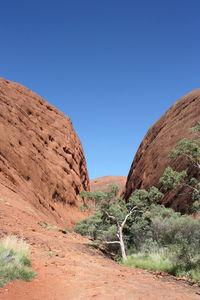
(152, 156)
(41, 157)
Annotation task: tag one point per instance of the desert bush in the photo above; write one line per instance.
(97, 197)
(171, 243)
(14, 261)
(113, 224)
(154, 261)
(160, 238)
(165, 260)
(189, 151)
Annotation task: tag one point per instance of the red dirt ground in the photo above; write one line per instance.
(68, 269)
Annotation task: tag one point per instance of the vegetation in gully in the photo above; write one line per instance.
(145, 233)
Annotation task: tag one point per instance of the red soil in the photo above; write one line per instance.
(67, 269)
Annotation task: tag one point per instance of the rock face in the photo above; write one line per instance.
(41, 157)
(152, 156)
(102, 183)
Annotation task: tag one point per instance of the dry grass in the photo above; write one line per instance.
(14, 261)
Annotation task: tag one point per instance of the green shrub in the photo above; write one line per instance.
(163, 260)
(91, 226)
(178, 235)
(84, 207)
(195, 207)
(195, 274)
(14, 260)
(151, 261)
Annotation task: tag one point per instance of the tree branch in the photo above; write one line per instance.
(113, 242)
(191, 187)
(129, 214)
(112, 218)
(195, 163)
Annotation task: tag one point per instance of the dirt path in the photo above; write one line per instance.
(67, 269)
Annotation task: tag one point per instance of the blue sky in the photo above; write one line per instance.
(114, 67)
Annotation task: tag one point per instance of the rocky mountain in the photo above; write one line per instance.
(151, 158)
(41, 157)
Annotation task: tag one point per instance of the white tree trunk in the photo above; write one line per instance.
(120, 231)
(122, 246)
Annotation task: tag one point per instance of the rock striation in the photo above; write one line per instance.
(151, 158)
(41, 157)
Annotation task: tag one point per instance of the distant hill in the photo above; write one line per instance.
(102, 183)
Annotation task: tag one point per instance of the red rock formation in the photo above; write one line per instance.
(102, 183)
(152, 156)
(41, 157)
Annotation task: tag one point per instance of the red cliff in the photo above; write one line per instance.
(41, 157)
(151, 158)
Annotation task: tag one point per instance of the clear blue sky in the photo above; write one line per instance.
(114, 67)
